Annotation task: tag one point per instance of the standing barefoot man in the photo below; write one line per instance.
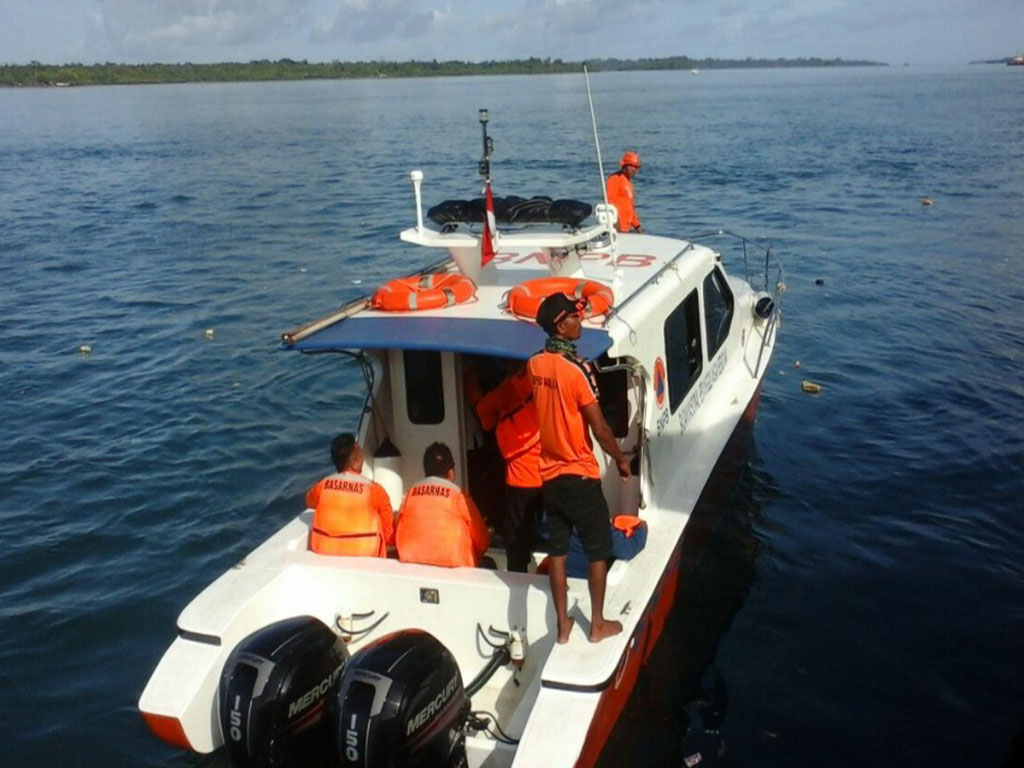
(565, 395)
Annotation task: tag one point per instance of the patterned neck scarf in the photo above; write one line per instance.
(560, 345)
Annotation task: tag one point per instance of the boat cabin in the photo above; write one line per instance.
(658, 346)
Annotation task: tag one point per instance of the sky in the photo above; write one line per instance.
(204, 31)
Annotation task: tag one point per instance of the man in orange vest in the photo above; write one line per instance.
(565, 394)
(352, 515)
(620, 192)
(438, 523)
(508, 409)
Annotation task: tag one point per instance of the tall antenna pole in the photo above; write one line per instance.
(597, 140)
(604, 189)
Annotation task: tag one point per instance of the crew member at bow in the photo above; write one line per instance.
(620, 192)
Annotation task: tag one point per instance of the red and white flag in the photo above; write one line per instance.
(490, 228)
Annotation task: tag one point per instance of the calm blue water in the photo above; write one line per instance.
(858, 598)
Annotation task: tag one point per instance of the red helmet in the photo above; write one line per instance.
(630, 158)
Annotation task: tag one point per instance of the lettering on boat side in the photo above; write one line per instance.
(433, 707)
(624, 260)
(663, 422)
(697, 396)
(314, 694)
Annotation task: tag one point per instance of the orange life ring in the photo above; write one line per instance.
(525, 298)
(405, 294)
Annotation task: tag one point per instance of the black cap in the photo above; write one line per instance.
(553, 310)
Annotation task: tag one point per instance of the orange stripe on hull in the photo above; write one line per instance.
(647, 632)
(169, 729)
(645, 636)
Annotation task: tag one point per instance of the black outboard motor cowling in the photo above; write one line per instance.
(401, 704)
(275, 692)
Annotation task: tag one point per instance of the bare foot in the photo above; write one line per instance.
(564, 632)
(605, 629)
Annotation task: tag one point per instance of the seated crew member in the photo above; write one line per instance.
(508, 409)
(438, 523)
(352, 515)
(620, 192)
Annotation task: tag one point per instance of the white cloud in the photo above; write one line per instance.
(139, 26)
(366, 21)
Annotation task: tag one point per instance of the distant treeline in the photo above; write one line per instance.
(36, 73)
(1004, 60)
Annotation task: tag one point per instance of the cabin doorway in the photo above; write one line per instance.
(427, 396)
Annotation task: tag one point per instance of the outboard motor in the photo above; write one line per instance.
(275, 690)
(401, 704)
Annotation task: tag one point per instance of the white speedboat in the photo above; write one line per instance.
(680, 350)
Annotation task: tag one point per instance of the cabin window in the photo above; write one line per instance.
(718, 304)
(683, 354)
(424, 390)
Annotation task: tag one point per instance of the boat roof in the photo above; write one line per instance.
(483, 336)
(626, 263)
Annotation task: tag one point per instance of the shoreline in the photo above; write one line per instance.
(36, 74)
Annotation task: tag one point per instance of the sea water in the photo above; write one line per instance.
(855, 592)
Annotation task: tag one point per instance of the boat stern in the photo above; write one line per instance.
(179, 703)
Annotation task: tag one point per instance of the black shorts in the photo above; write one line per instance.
(523, 507)
(572, 501)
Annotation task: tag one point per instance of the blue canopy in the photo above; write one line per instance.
(502, 338)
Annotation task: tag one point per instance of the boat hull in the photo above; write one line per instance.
(652, 623)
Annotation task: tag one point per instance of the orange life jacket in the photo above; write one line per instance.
(349, 517)
(519, 442)
(509, 410)
(620, 194)
(439, 525)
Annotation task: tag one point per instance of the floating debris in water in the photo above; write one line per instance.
(810, 387)
(209, 333)
(85, 349)
(356, 281)
(302, 269)
(703, 744)
(926, 201)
